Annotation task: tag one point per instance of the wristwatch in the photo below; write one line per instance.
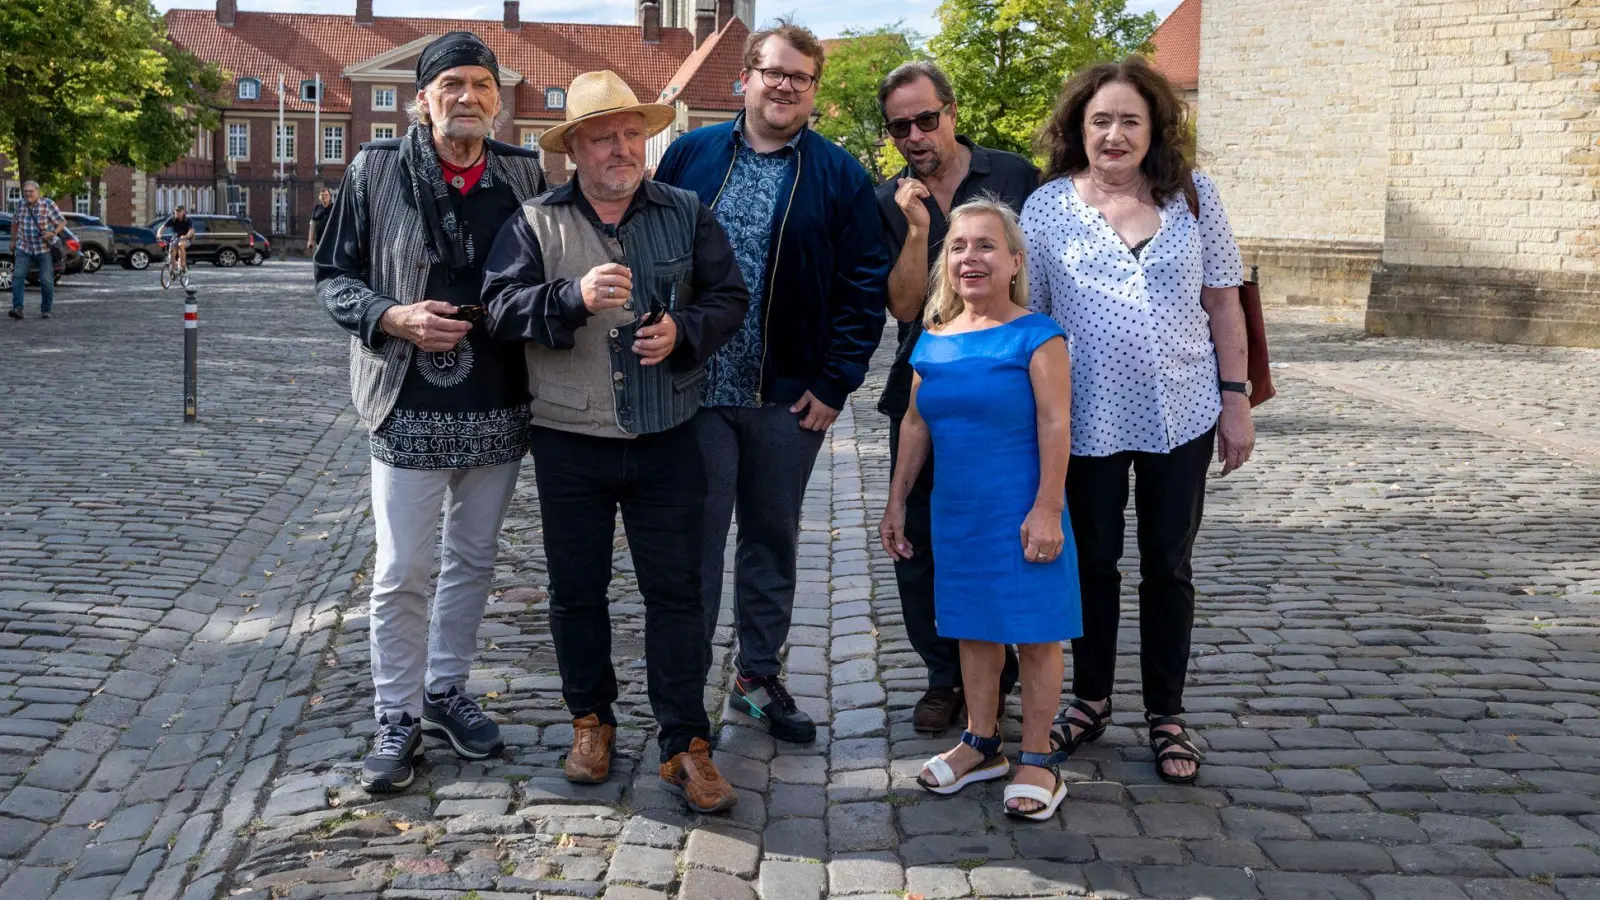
(1238, 387)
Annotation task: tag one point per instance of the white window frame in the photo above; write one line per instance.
(394, 96)
(13, 197)
(246, 126)
(284, 138)
(530, 138)
(83, 201)
(386, 127)
(328, 134)
(280, 210)
(254, 92)
(555, 93)
(242, 208)
(308, 83)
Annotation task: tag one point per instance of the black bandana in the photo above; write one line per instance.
(458, 48)
(432, 196)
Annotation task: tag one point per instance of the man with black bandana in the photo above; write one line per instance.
(400, 267)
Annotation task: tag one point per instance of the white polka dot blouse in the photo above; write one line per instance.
(1144, 369)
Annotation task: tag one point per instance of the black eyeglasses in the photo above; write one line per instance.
(800, 81)
(926, 122)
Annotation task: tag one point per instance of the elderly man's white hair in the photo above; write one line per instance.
(32, 184)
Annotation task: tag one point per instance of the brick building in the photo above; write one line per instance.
(1437, 161)
(365, 65)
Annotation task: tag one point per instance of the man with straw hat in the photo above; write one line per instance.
(620, 288)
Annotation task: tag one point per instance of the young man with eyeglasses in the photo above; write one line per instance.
(803, 220)
(943, 170)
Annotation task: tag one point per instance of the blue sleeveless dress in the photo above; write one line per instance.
(977, 400)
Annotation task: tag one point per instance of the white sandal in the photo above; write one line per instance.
(1050, 762)
(946, 781)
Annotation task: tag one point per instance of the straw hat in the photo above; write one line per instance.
(603, 93)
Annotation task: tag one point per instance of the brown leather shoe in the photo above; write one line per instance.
(692, 776)
(938, 709)
(589, 761)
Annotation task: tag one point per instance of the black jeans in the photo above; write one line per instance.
(659, 483)
(914, 577)
(758, 462)
(1169, 497)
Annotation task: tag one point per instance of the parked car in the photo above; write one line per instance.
(222, 240)
(137, 247)
(260, 252)
(63, 253)
(99, 244)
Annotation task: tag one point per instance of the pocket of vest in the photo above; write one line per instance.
(690, 380)
(563, 396)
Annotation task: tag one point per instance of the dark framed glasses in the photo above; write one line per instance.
(800, 81)
(900, 129)
(473, 313)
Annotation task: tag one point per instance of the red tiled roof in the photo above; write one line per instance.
(263, 45)
(1177, 43)
(706, 78)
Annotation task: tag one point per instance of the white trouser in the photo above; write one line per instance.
(405, 505)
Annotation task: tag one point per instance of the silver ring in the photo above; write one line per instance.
(611, 291)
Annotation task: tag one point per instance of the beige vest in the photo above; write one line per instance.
(580, 389)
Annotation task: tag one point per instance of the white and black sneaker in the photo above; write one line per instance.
(457, 718)
(395, 749)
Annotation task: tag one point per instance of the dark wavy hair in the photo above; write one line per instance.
(1168, 163)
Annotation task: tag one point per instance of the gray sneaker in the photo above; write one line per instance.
(391, 765)
(458, 719)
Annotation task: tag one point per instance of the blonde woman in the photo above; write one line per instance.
(991, 399)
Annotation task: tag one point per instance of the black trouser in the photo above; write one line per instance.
(1169, 497)
(660, 485)
(914, 576)
(758, 461)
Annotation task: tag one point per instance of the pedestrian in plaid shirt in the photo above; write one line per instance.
(34, 228)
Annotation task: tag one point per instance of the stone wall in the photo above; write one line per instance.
(1494, 174)
(1294, 126)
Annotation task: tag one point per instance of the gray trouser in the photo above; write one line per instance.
(758, 462)
(405, 639)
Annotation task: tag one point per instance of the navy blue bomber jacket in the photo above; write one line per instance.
(828, 269)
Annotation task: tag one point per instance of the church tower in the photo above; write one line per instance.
(681, 13)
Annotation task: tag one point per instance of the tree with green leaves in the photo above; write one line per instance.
(1007, 59)
(847, 94)
(90, 83)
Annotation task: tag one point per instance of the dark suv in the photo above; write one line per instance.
(223, 240)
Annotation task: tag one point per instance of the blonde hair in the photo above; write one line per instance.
(945, 304)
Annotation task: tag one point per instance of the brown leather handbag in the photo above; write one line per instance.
(1258, 361)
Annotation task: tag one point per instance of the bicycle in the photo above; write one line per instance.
(170, 271)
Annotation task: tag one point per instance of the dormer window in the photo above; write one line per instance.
(555, 98)
(249, 89)
(308, 90)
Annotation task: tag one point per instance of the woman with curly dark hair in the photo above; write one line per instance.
(1135, 259)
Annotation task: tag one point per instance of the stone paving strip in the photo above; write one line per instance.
(1395, 678)
(165, 591)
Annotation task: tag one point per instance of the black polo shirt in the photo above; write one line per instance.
(1008, 176)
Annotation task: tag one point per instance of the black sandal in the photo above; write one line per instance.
(1088, 731)
(1172, 745)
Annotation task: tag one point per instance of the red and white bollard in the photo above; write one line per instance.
(191, 346)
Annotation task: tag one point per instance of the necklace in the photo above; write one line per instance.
(459, 176)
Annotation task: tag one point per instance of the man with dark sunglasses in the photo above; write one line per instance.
(943, 170)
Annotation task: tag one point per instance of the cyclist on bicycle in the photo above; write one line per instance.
(182, 230)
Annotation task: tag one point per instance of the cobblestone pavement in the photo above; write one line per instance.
(1397, 657)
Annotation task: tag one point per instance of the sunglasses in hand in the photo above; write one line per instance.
(658, 311)
(473, 313)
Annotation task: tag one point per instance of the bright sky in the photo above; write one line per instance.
(826, 17)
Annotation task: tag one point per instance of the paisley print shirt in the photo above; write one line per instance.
(749, 204)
